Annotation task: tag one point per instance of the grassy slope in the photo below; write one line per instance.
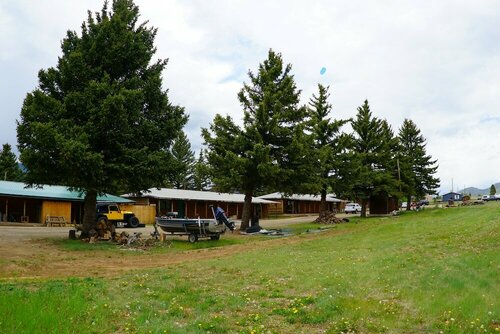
(431, 271)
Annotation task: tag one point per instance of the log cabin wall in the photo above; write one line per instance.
(56, 208)
(275, 208)
(145, 213)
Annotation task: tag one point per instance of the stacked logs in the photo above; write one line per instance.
(328, 217)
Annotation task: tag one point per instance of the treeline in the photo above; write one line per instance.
(292, 148)
(100, 121)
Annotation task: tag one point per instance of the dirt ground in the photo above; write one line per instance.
(25, 253)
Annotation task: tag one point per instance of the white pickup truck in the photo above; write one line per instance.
(491, 197)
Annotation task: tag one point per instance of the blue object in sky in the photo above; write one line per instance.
(322, 71)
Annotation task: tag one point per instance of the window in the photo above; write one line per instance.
(102, 209)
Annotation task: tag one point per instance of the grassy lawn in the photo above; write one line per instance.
(428, 272)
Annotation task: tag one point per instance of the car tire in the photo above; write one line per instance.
(133, 222)
(192, 238)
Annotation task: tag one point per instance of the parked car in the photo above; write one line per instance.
(352, 208)
(491, 197)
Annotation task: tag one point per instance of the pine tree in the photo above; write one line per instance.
(183, 160)
(9, 167)
(329, 142)
(372, 158)
(100, 120)
(417, 169)
(493, 190)
(271, 150)
(201, 173)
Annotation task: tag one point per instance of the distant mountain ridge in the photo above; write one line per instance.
(476, 191)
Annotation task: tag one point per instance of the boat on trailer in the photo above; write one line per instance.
(196, 228)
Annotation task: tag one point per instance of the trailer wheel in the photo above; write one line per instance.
(192, 238)
(215, 237)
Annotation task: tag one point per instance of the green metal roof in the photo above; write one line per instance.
(19, 189)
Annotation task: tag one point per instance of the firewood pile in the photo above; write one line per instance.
(135, 241)
(328, 217)
(123, 239)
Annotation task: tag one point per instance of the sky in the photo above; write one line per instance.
(434, 62)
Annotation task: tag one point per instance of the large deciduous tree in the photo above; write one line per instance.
(100, 121)
(9, 167)
(328, 143)
(373, 158)
(417, 169)
(270, 150)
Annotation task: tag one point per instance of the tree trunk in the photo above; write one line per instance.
(247, 211)
(408, 203)
(89, 214)
(364, 202)
(322, 205)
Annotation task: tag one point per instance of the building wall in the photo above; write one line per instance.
(276, 208)
(195, 209)
(382, 205)
(56, 208)
(13, 209)
(145, 213)
(300, 207)
(452, 196)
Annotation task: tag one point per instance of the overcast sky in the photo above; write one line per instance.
(435, 62)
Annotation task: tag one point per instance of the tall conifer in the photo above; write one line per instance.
(417, 169)
(271, 150)
(100, 121)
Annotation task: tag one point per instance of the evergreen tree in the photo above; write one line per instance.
(328, 143)
(100, 120)
(372, 158)
(271, 150)
(183, 158)
(417, 169)
(9, 167)
(493, 190)
(201, 173)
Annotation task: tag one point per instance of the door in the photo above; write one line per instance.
(181, 209)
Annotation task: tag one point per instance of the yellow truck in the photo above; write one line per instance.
(110, 212)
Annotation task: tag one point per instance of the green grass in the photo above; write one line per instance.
(428, 272)
(156, 247)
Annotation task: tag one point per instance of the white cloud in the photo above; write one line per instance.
(437, 63)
